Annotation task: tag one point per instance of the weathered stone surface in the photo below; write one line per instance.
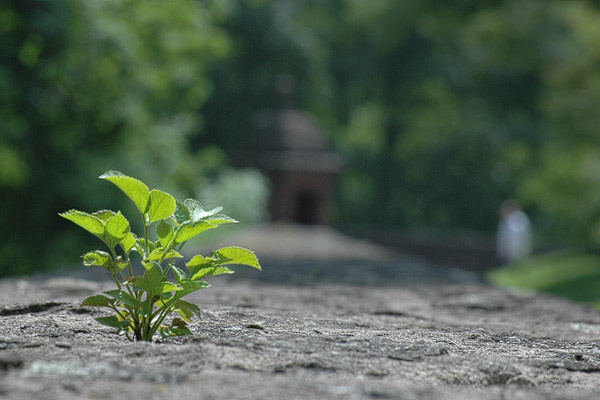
(267, 340)
(371, 325)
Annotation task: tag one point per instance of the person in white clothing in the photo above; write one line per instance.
(513, 242)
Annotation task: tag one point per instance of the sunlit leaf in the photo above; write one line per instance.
(123, 297)
(200, 273)
(117, 228)
(187, 310)
(159, 254)
(221, 219)
(190, 286)
(161, 205)
(128, 242)
(164, 232)
(198, 260)
(97, 301)
(89, 222)
(166, 287)
(189, 230)
(154, 274)
(142, 283)
(236, 255)
(99, 258)
(182, 213)
(104, 215)
(133, 188)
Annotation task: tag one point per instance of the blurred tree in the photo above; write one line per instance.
(89, 86)
(262, 48)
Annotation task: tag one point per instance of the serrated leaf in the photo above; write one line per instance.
(111, 321)
(89, 222)
(221, 219)
(128, 242)
(200, 273)
(197, 212)
(190, 286)
(168, 331)
(142, 283)
(97, 301)
(179, 274)
(189, 230)
(165, 287)
(121, 264)
(182, 213)
(161, 206)
(104, 214)
(133, 188)
(159, 254)
(123, 297)
(99, 258)
(117, 228)
(141, 246)
(187, 310)
(236, 255)
(198, 260)
(164, 231)
(154, 274)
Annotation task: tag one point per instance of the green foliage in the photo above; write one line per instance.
(440, 109)
(575, 276)
(90, 84)
(142, 303)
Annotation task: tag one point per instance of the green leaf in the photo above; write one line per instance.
(97, 301)
(104, 215)
(142, 283)
(159, 254)
(111, 321)
(162, 205)
(236, 255)
(179, 274)
(182, 213)
(197, 212)
(89, 222)
(154, 274)
(128, 242)
(190, 286)
(99, 258)
(188, 230)
(165, 287)
(221, 219)
(123, 297)
(204, 272)
(117, 228)
(187, 310)
(198, 260)
(164, 232)
(177, 328)
(141, 246)
(121, 264)
(133, 188)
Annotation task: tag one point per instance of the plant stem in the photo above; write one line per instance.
(146, 226)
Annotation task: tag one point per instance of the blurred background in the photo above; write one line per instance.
(417, 118)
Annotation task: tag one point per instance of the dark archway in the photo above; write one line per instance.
(306, 208)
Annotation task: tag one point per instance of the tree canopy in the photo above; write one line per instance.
(441, 110)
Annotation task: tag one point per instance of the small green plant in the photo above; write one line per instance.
(142, 303)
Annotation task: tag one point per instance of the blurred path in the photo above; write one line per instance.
(299, 254)
(309, 254)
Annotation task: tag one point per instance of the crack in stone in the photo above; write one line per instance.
(20, 309)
